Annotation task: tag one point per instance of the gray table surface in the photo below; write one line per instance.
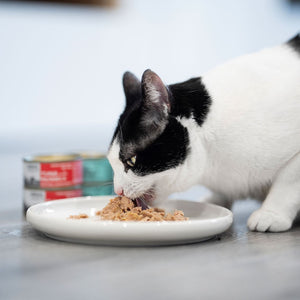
(237, 265)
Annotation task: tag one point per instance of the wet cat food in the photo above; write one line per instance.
(80, 216)
(124, 209)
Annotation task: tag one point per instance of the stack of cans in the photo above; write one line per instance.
(51, 177)
(60, 176)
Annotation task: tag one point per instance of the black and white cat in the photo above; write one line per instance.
(235, 130)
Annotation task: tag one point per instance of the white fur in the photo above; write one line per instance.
(249, 145)
(154, 95)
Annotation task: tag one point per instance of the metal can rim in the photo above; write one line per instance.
(92, 155)
(54, 189)
(64, 157)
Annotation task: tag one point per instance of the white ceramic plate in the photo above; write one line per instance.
(51, 218)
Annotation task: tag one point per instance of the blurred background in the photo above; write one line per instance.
(61, 64)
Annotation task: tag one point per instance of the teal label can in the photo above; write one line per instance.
(96, 168)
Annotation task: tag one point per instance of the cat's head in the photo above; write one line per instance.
(149, 145)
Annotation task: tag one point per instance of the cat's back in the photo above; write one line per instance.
(269, 74)
(254, 112)
(257, 90)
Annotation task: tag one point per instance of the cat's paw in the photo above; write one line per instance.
(266, 220)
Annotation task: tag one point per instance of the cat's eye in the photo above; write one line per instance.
(131, 161)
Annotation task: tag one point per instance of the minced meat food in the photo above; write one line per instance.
(124, 209)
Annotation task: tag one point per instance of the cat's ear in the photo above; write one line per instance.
(156, 104)
(132, 88)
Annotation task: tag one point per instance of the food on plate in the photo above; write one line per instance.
(124, 209)
(80, 216)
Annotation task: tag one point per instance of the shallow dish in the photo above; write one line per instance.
(51, 218)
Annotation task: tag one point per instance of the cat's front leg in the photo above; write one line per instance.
(282, 203)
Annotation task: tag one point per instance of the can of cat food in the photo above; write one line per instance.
(52, 171)
(32, 196)
(96, 167)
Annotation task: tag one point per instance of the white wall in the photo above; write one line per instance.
(61, 66)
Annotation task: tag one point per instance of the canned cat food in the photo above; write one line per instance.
(33, 196)
(97, 189)
(96, 167)
(50, 171)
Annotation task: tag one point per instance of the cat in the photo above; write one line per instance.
(235, 130)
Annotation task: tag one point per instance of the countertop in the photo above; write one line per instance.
(236, 265)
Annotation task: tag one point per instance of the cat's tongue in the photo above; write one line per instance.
(144, 200)
(139, 202)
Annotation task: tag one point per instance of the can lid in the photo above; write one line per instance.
(92, 155)
(51, 158)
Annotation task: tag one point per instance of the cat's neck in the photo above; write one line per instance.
(190, 99)
(190, 105)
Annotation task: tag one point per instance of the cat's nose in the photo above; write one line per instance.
(119, 191)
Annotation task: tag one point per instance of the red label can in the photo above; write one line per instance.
(60, 174)
(52, 171)
(35, 196)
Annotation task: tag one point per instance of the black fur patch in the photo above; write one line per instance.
(168, 149)
(126, 130)
(295, 43)
(190, 98)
